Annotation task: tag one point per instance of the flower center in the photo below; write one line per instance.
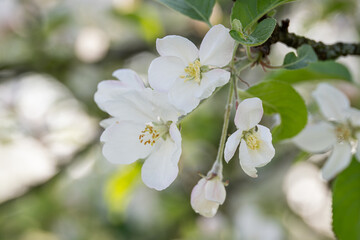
(251, 140)
(152, 133)
(343, 133)
(193, 72)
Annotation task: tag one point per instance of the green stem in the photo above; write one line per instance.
(219, 157)
(248, 53)
(225, 124)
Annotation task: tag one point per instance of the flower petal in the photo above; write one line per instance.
(217, 47)
(160, 169)
(339, 159)
(176, 136)
(358, 146)
(163, 71)
(215, 191)
(316, 138)
(249, 159)
(107, 91)
(264, 133)
(140, 106)
(231, 144)
(183, 95)
(354, 116)
(107, 122)
(199, 203)
(248, 113)
(245, 160)
(332, 102)
(130, 105)
(177, 46)
(211, 80)
(266, 151)
(121, 143)
(129, 78)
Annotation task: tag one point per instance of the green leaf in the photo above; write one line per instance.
(196, 9)
(261, 33)
(250, 11)
(279, 97)
(305, 55)
(324, 70)
(346, 203)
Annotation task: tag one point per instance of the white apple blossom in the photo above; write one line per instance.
(143, 126)
(256, 149)
(189, 74)
(207, 195)
(340, 131)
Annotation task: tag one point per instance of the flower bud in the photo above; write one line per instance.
(207, 195)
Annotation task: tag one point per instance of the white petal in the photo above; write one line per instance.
(354, 116)
(266, 151)
(183, 95)
(316, 137)
(130, 105)
(215, 191)
(248, 113)
(358, 146)
(211, 80)
(140, 106)
(107, 122)
(332, 102)
(231, 144)
(249, 159)
(245, 160)
(121, 143)
(160, 169)
(163, 71)
(176, 137)
(129, 78)
(177, 46)
(339, 159)
(163, 108)
(264, 133)
(264, 154)
(217, 47)
(108, 90)
(199, 203)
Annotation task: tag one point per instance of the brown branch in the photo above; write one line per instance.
(323, 51)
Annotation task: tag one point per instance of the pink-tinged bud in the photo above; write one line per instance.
(207, 195)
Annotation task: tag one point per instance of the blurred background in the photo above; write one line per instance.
(55, 183)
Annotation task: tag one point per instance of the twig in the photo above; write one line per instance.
(322, 50)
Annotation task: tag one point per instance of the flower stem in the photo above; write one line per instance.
(225, 124)
(218, 162)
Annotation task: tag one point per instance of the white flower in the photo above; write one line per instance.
(207, 195)
(143, 125)
(256, 149)
(339, 132)
(188, 74)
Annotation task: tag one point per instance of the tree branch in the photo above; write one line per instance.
(323, 51)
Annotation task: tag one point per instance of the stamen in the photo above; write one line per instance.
(343, 133)
(193, 72)
(150, 135)
(251, 139)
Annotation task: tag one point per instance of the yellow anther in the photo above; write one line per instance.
(343, 133)
(149, 135)
(193, 72)
(252, 141)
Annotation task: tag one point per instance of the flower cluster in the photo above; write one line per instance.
(144, 119)
(339, 131)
